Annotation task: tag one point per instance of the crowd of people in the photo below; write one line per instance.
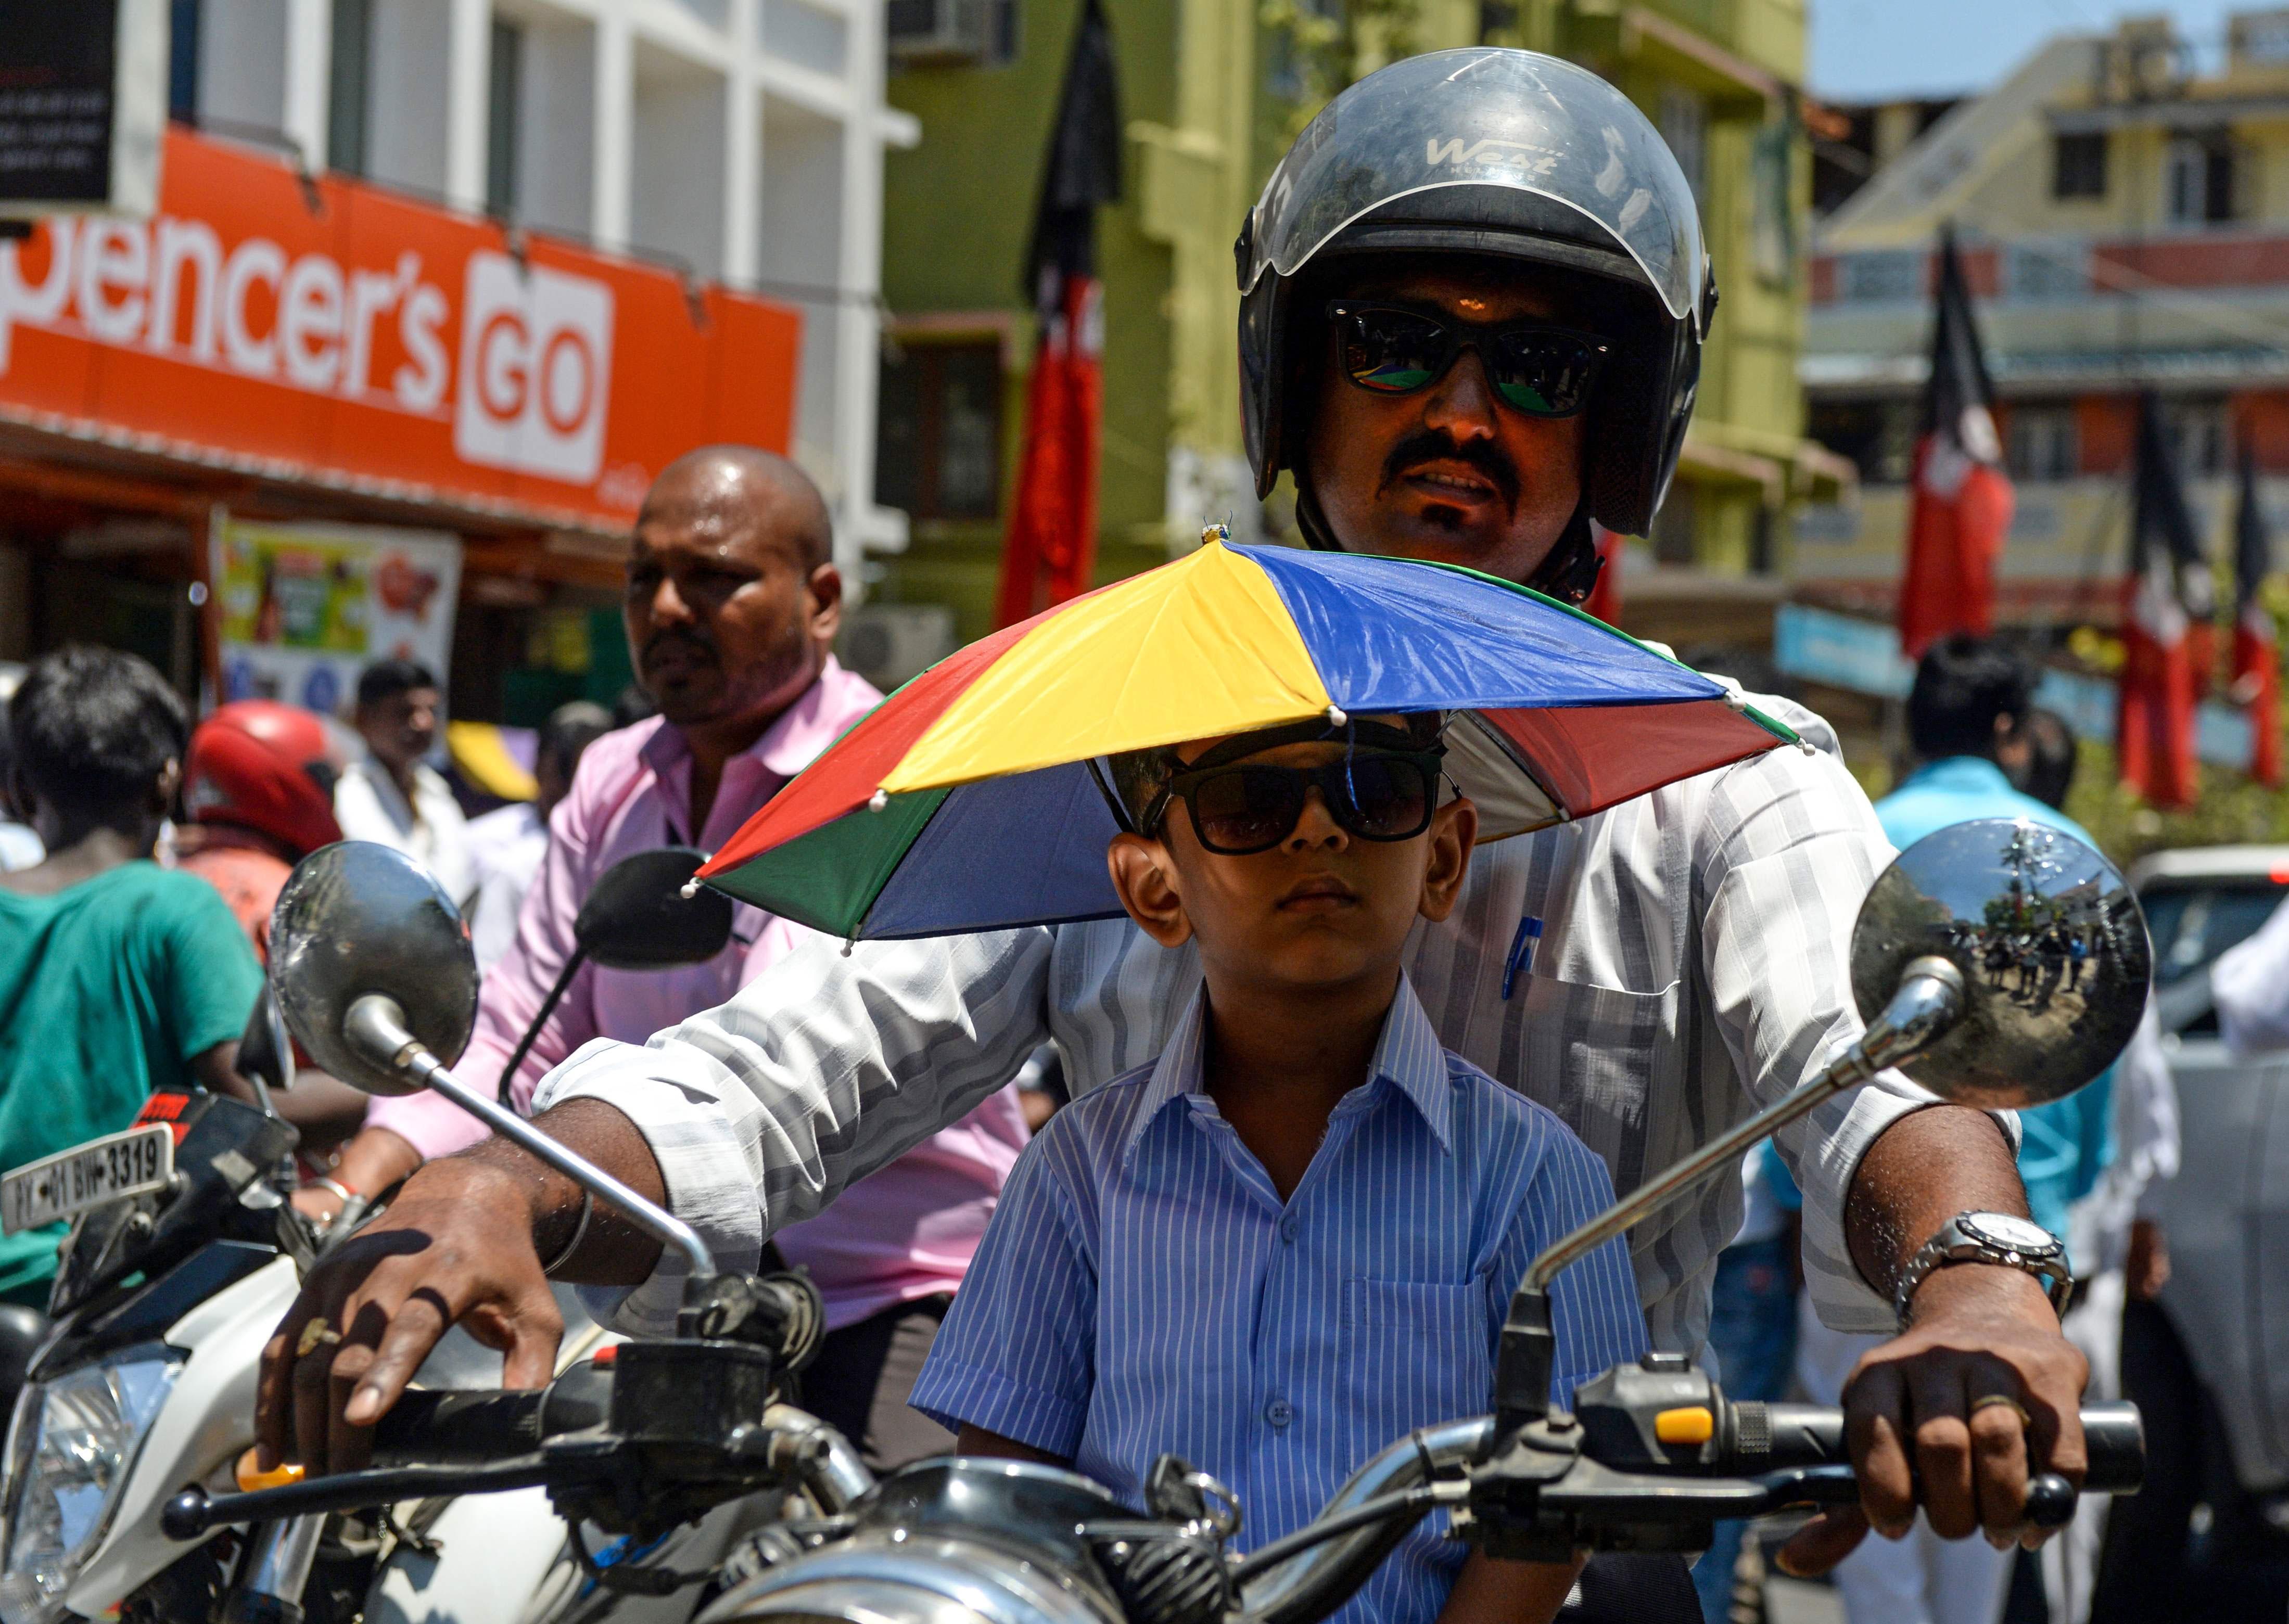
(1314, 1136)
(1983, 749)
(150, 853)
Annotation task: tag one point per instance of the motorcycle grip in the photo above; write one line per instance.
(475, 1429)
(450, 1428)
(1765, 1437)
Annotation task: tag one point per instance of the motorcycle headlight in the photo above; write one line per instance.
(70, 1449)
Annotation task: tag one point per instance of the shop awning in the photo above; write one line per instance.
(325, 332)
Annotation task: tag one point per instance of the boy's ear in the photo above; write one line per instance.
(1453, 830)
(164, 786)
(1145, 880)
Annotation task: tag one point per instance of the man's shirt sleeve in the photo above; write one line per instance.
(212, 979)
(1016, 1353)
(825, 1067)
(1594, 1304)
(2250, 981)
(1783, 859)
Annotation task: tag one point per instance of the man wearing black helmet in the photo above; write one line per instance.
(1473, 303)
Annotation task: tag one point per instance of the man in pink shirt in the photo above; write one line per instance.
(731, 610)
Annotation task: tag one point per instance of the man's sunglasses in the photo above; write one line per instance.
(1542, 370)
(1242, 809)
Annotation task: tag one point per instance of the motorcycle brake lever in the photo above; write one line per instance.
(194, 1512)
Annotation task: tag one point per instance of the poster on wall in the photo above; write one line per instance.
(82, 105)
(306, 607)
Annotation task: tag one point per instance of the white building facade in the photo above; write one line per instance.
(739, 141)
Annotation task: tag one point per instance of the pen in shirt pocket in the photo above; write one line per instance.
(1521, 953)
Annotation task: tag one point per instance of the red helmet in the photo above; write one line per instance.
(266, 766)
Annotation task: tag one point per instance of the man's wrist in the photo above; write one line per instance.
(1981, 1290)
(612, 1250)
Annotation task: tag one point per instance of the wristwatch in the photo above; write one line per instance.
(1990, 1238)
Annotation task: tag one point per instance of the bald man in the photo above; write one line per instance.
(731, 608)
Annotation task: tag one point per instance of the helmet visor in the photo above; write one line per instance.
(1512, 120)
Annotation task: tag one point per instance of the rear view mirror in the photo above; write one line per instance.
(637, 917)
(355, 919)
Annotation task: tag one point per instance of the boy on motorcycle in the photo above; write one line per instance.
(1692, 961)
(1296, 1232)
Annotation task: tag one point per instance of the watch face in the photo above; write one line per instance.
(2021, 1235)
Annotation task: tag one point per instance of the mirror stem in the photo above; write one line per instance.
(579, 957)
(376, 1026)
(1928, 1002)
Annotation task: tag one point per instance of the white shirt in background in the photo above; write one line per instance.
(431, 831)
(506, 848)
(20, 847)
(2250, 984)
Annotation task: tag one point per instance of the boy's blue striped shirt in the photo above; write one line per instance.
(1142, 1288)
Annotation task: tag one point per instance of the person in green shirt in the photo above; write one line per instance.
(117, 977)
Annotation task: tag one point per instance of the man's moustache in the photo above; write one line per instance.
(700, 647)
(1416, 449)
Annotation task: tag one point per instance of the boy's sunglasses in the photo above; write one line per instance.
(1240, 810)
(1542, 370)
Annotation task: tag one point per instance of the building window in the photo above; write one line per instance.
(2200, 442)
(938, 450)
(2261, 40)
(2044, 443)
(349, 82)
(2078, 165)
(1884, 277)
(952, 33)
(504, 117)
(817, 39)
(1879, 436)
(2045, 270)
(1683, 118)
(1773, 226)
(1676, 533)
(183, 58)
(2197, 180)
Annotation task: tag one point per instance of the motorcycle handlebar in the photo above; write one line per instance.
(476, 1428)
(1764, 1438)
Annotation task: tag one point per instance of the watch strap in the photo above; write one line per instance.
(1955, 1244)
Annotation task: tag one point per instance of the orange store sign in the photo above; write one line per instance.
(330, 330)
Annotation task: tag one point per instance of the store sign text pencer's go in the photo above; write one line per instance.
(333, 332)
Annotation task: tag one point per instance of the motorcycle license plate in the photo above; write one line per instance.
(64, 1185)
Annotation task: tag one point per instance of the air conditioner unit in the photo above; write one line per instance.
(890, 644)
(951, 33)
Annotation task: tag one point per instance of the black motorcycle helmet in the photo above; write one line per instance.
(1504, 154)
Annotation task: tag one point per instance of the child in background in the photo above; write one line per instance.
(117, 977)
(1294, 1238)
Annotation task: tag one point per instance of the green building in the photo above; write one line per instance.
(1212, 91)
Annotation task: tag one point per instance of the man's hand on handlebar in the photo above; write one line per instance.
(461, 1244)
(1914, 1418)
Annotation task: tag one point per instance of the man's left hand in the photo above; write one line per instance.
(1914, 1419)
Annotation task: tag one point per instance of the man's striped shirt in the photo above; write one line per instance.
(1693, 965)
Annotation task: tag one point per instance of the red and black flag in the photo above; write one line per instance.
(1962, 502)
(2256, 659)
(2155, 712)
(1050, 552)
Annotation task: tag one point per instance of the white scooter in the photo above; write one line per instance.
(183, 1256)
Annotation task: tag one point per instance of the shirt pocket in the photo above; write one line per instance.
(1414, 1355)
(1607, 1062)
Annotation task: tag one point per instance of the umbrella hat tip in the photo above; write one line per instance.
(1214, 531)
(691, 889)
(878, 800)
(1336, 717)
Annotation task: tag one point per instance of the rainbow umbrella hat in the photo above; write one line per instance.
(967, 801)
